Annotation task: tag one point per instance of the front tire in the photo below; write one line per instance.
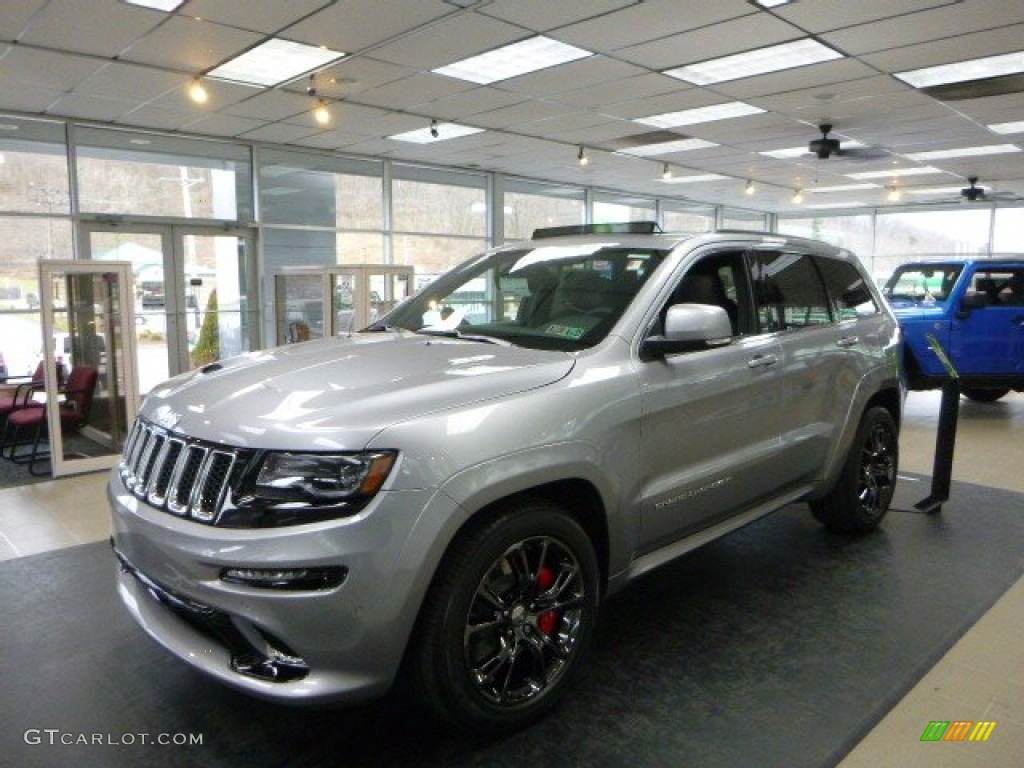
(980, 395)
(862, 494)
(507, 619)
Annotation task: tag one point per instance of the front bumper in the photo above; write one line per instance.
(339, 642)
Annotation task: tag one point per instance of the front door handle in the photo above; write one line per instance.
(762, 361)
(848, 341)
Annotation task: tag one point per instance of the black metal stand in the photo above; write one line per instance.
(945, 440)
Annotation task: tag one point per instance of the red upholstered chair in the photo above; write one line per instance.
(77, 394)
(18, 393)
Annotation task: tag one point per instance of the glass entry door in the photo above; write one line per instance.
(192, 293)
(90, 362)
(314, 302)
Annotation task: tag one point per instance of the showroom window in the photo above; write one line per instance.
(687, 217)
(319, 209)
(737, 218)
(439, 218)
(36, 225)
(609, 207)
(855, 233)
(121, 172)
(529, 206)
(1008, 231)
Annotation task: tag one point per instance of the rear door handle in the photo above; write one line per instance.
(848, 341)
(762, 361)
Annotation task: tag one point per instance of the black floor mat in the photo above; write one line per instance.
(780, 645)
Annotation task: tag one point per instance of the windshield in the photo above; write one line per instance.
(922, 284)
(560, 297)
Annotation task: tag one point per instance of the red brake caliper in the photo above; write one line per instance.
(548, 620)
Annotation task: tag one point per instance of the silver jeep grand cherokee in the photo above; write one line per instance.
(452, 491)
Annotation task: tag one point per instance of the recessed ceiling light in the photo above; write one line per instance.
(274, 62)
(895, 172)
(694, 178)
(667, 147)
(943, 154)
(841, 188)
(975, 69)
(772, 3)
(700, 115)
(938, 190)
(1017, 127)
(826, 206)
(775, 58)
(157, 5)
(513, 60)
(436, 132)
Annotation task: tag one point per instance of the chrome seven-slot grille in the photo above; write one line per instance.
(183, 476)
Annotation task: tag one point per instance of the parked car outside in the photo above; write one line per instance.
(974, 309)
(446, 498)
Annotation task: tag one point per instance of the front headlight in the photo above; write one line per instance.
(323, 478)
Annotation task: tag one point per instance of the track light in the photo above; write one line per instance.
(582, 156)
(197, 92)
(433, 129)
(321, 113)
(798, 196)
(749, 189)
(666, 172)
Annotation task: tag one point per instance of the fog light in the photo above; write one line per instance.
(286, 578)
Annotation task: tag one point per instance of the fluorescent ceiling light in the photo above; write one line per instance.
(938, 190)
(790, 152)
(798, 53)
(1017, 127)
(444, 132)
(692, 179)
(700, 115)
(895, 173)
(975, 69)
(841, 188)
(513, 60)
(274, 62)
(943, 154)
(667, 147)
(772, 3)
(157, 5)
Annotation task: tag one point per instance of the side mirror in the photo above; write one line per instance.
(972, 301)
(689, 327)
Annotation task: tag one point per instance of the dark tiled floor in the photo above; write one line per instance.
(780, 645)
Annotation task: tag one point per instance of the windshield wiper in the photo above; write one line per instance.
(456, 334)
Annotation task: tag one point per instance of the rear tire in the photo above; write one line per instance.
(507, 619)
(862, 494)
(984, 395)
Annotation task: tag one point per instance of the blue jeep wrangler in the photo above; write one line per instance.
(975, 310)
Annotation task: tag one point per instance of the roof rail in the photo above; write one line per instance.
(619, 228)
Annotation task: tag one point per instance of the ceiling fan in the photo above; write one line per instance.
(827, 147)
(974, 193)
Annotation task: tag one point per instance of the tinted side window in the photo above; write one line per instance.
(847, 289)
(719, 280)
(1002, 287)
(788, 291)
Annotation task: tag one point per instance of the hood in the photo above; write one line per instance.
(336, 394)
(906, 309)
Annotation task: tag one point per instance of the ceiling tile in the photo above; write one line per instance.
(358, 25)
(106, 29)
(189, 45)
(265, 16)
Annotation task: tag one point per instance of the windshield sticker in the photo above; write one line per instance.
(565, 331)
